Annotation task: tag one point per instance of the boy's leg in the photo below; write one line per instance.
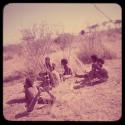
(102, 75)
(32, 104)
(27, 98)
(91, 76)
(52, 80)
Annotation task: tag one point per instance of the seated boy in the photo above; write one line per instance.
(30, 90)
(44, 79)
(92, 74)
(67, 69)
(98, 76)
(55, 77)
(32, 93)
(49, 79)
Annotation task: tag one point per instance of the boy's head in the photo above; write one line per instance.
(47, 60)
(94, 58)
(29, 81)
(100, 61)
(53, 66)
(64, 61)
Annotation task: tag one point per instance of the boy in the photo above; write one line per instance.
(52, 75)
(92, 74)
(55, 77)
(47, 74)
(98, 72)
(32, 93)
(48, 65)
(67, 70)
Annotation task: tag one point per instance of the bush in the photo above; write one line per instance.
(37, 43)
(64, 40)
(94, 45)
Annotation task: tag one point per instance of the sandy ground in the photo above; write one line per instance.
(101, 102)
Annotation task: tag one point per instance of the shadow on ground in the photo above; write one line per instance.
(22, 114)
(89, 84)
(20, 100)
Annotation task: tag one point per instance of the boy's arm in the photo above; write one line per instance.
(79, 76)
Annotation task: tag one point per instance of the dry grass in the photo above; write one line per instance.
(100, 45)
(97, 103)
(101, 102)
(34, 50)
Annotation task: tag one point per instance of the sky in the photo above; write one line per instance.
(71, 17)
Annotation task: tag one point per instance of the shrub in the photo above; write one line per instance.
(94, 45)
(64, 40)
(36, 45)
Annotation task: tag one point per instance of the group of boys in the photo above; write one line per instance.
(51, 78)
(44, 82)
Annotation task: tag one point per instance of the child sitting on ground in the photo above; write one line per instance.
(98, 74)
(32, 92)
(30, 89)
(55, 77)
(67, 70)
(92, 73)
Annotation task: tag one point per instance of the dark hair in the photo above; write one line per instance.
(28, 82)
(101, 61)
(64, 61)
(53, 66)
(47, 58)
(94, 57)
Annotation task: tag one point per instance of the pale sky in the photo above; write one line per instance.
(72, 17)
